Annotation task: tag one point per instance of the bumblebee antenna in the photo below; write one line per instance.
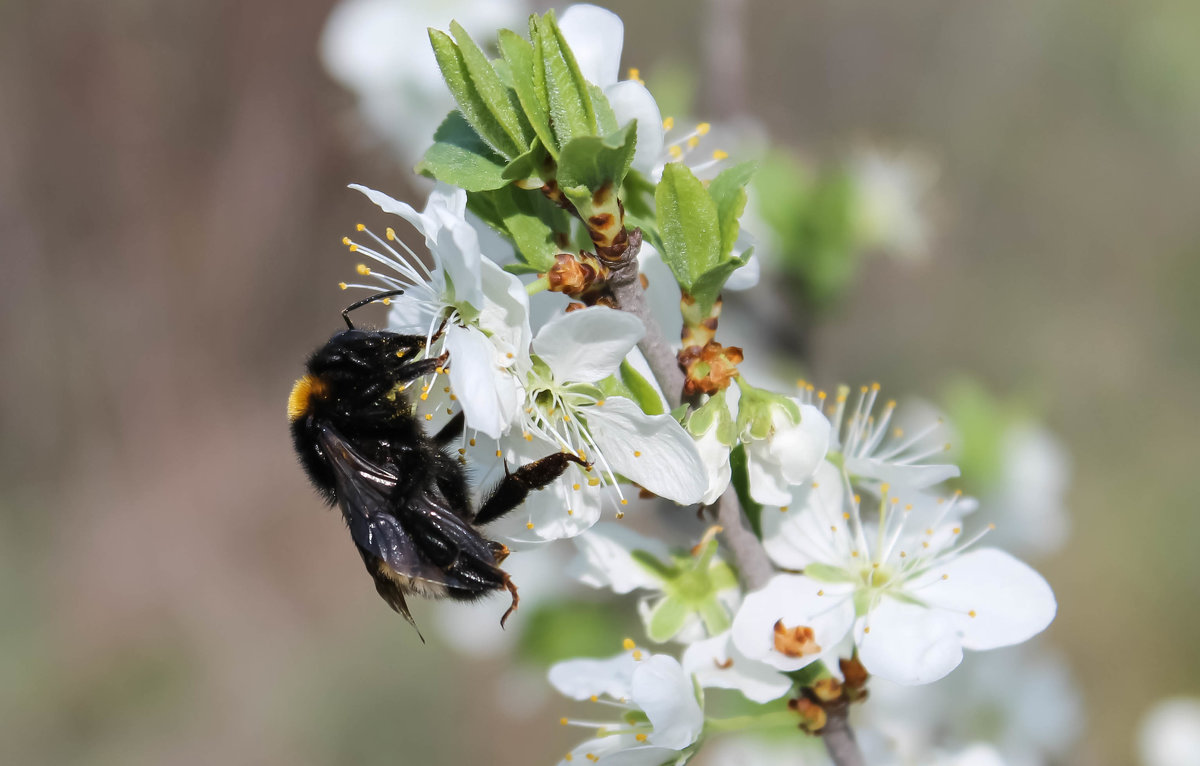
(366, 301)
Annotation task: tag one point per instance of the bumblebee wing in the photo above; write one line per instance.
(417, 539)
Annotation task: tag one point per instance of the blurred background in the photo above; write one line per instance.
(172, 196)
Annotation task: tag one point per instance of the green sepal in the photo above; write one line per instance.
(461, 158)
(708, 287)
(474, 107)
(809, 674)
(714, 413)
(826, 573)
(523, 66)
(606, 118)
(569, 98)
(501, 101)
(666, 619)
(613, 386)
(740, 478)
(641, 391)
(591, 164)
(756, 408)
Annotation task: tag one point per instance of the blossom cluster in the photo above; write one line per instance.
(878, 565)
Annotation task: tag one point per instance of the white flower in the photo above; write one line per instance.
(687, 596)
(565, 409)
(873, 450)
(1024, 702)
(912, 593)
(484, 308)
(1028, 499)
(785, 441)
(892, 192)
(379, 49)
(1170, 734)
(661, 720)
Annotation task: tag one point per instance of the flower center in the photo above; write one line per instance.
(795, 642)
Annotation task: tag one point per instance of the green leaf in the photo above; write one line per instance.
(500, 101)
(728, 190)
(667, 619)
(641, 390)
(563, 630)
(606, 118)
(590, 164)
(571, 111)
(471, 102)
(460, 158)
(741, 484)
(531, 221)
(687, 221)
(519, 54)
(708, 287)
(532, 165)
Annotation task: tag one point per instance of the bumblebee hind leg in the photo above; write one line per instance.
(388, 590)
(512, 588)
(516, 486)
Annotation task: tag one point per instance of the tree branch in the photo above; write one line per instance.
(627, 289)
(839, 737)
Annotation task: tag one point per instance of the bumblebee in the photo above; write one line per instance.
(404, 498)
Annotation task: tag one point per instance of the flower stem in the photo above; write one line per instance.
(537, 285)
(784, 719)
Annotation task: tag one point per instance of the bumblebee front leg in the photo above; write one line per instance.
(516, 486)
(508, 583)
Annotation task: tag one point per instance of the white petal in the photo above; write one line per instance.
(620, 750)
(596, 37)
(768, 485)
(605, 558)
(652, 450)
(715, 457)
(805, 532)
(716, 662)
(919, 476)
(664, 692)
(800, 448)
(1170, 733)
(553, 512)
(589, 344)
(907, 643)
(394, 206)
(488, 394)
(662, 293)
(505, 313)
(580, 679)
(794, 601)
(1012, 602)
(630, 100)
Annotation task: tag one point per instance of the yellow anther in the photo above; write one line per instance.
(498, 453)
(424, 397)
(821, 395)
(624, 501)
(832, 528)
(821, 593)
(703, 128)
(570, 512)
(636, 75)
(853, 554)
(509, 355)
(897, 432)
(568, 757)
(884, 488)
(529, 525)
(439, 370)
(360, 227)
(720, 155)
(575, 487)
(362, 269)
(471, 442)
(593, 757)
(903, 555)
(343, 285)
(637, 654)
(593, 482)
(971, 613)
(620, 515)
(947, 447)
(783, 509)
(562, 721)
(628, 644)
(693, 142)
(845, 516)
(637, 453)
(945, 577)
(857, 499)
(875, 386)
(462, 451)
(528, 437)
(867, 629)
(640, 737)
(429, 416)
(957, 530)
(863, 390)
(675, 152)
(599, 402)
(908, 507)
(594, 698)
(354, 248)
(668, 123)
(346, 241)
(386, 301)
(991, 526)
(391, 234)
